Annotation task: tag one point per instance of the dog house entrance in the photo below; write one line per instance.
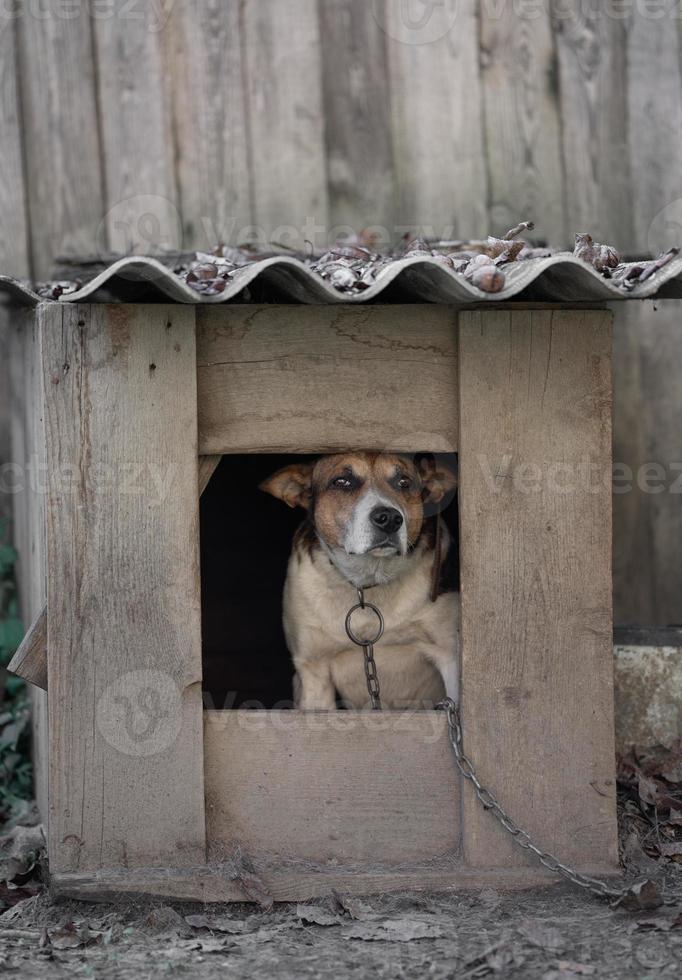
(246, 538)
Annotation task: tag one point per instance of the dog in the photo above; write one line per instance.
(367, 526)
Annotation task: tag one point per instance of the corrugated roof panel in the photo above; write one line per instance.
(559, 278)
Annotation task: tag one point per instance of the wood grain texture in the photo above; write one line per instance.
(648, 449)
(135, 124)
(356, 89)
(205, 63)
(314, 379)
(521, 110)
(535, 517)
(437, 122)
(592, 58)
(286, 125)
(325, 787)
(655, 124)
(124, 629)
(289, 883)
(62, 153)
(27, 481)
(14, 253)
(30, 660)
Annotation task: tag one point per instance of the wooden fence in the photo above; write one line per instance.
(180, 123)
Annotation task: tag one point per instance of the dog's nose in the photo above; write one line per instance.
(387, 519)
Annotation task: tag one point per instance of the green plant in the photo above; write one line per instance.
(15, 764)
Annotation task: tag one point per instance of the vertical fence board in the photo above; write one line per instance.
(357, 116)
(124, 630)
(648, 441)
(27, 499)
(204, 58)
(522, 121)
(286, 123)
(64, 178)
(14, 256)
(655, 125)
(592, 85)
(135, 123)
(436, 118)
(535, 507)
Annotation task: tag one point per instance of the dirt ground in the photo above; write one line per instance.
(551, 933)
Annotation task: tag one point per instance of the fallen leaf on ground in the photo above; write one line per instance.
(641, 895)
(661, 921)
(217, 923)
(672, 850)
(166, 919)
(20, 851)
(579, 969)
(317, 915)
(542, 935)
(401, 929)
(354, 907)
(72, 935)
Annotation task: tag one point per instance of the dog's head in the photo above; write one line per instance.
(364, 503)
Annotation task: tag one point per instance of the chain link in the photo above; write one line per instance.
(371, 674)
(520, 837)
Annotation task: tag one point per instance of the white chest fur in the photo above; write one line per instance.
(417, 657)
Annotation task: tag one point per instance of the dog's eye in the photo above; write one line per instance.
(342, 483)
(404, 483)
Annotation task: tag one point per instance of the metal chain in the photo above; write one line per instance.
(371, 674)
(520, 837)
(465, 766)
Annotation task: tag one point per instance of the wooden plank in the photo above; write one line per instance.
(522, 124)
(284, 107)
(30, 660)
(204, 60)
(27, 482)
(14, 256)
(648, 444)
(535, 517)
(437, 121)
(207, 467)
(325, 787)
(357, 118)
(289, 882)
(124, 626)
(135, 125)
(64, 177)
(634, 579)
(378, 378)
(655, 125)
(592, 60)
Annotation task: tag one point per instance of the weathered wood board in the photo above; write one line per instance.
(58, 95)
(27, 482)
(342, 787)
(441, 171)
(535, 555)
(313, 379)
(523, 126)
(126, 760)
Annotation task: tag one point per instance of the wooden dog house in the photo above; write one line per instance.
(150, 793)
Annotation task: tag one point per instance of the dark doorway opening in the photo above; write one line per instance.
(246, 539)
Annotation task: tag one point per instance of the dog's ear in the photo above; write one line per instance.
(438, 481)
(293, 484)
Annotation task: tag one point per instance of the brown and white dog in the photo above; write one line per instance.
(366, 526)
